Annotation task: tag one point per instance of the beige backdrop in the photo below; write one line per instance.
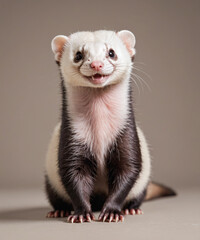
(168, 44)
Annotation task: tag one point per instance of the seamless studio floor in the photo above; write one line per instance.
(22, 216)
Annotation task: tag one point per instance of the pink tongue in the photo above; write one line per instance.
(97, 78)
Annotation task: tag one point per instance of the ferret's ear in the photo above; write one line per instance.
(57, 45)
(129, 40)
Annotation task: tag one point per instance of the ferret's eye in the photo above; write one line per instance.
(78, 57)
(111, 53)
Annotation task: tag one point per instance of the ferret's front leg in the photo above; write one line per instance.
(124, 166)
(78, 174)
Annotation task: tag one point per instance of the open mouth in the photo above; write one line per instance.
(98, 78)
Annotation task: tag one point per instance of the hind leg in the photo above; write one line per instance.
(132, 207)
(61, 208)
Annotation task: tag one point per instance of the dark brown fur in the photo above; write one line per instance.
(78, 168)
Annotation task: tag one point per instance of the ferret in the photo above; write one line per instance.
(98, 158)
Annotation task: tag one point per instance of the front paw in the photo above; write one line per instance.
(111, 215)
(80, 217)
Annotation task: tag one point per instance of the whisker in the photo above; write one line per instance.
(142, 63)
(139, 70)
(141, 80)
(135, 82)
(137, 79)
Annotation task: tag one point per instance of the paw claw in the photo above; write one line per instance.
(88, 218)
(116, 218)
(121, 218)
(139, 211)
(69, 218)
(57, 214)
(62, 213)
(105, 217)
(111, 217)
(132, 211)
(100, 217)
(80, 218)
(126, 212)
(72, 219)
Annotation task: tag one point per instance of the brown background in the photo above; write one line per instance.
(168, 40)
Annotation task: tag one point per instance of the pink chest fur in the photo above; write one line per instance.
(98, 115)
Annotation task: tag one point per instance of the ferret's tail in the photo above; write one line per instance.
(155, 190)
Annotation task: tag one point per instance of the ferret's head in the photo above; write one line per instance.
(95, 59)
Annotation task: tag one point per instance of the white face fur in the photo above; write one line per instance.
(95, 59)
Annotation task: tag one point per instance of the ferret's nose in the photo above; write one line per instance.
(97, 65)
